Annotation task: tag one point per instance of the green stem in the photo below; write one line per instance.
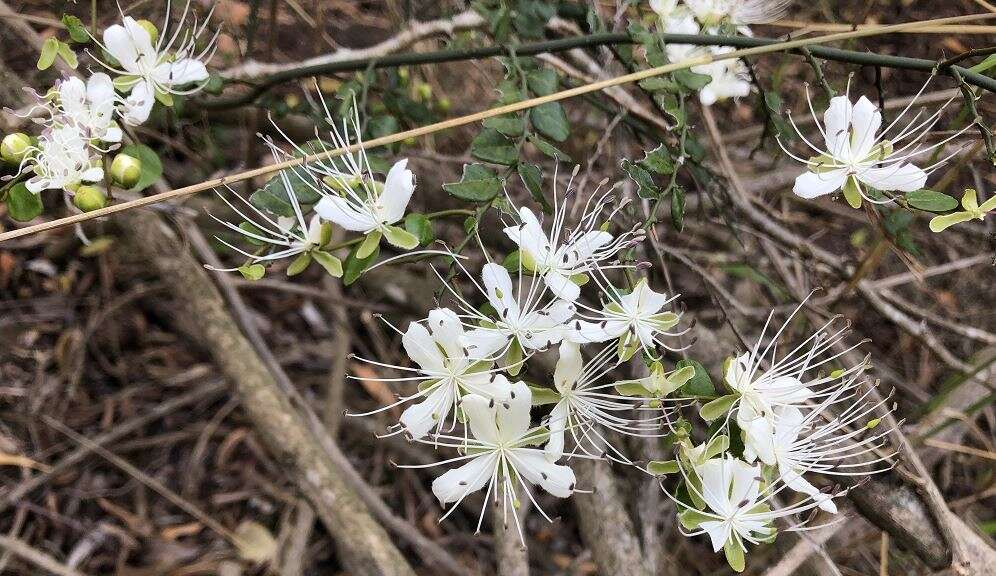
(591, 40)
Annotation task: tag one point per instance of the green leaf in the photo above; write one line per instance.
(22, 204)
(274, 195)
(734, 555)
(383, 125)
(692, 80)
(662, 467)
(986, 64)
(852, 193)
(77, 31)
(354, 266)
(543, 395)
(691, 518)
(510, 125)
(931, 201)
(700, 384)
(152, 168)
(331, 264)
(678, 207)
(491, 146)
(645, 186)
(479, 184)
(68, 55)
(48, 52)
(421, 227)
(300, 264)
(512, 361)
(542, 82)
(548, 149)
(716, 408)
(370, 242)
(252, 271)
(400, 238)
(658, 161)
(549, 120)
(532, 177)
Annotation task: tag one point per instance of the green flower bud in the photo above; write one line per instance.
(89, 198)
(125, 170)
(150, 28)
(444, 104)
(423, 91)
(15, 147)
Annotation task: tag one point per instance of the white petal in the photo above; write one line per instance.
(583, 331)
(337, 209)
(100, 89)
(865, 122)
(513, 413)
(837, 124)
(95, 174)
(447, 331)
(557, 424)
(532, 465)
(471, 477)
(398, 188)
(180, 72)
(759, 435)
(561, 286)
(744, 485)
(420, 418)
(124, 43)
(421, 348)
(37, 183)
(715, 483)
(138, 104)
(498, 287)
(643, 299)
(895, 177)
(481, 415)
(483, 343)
(530, 236)
(719, 533)
(72, 97)
(813, 184)
(569, 367)
(583, 248)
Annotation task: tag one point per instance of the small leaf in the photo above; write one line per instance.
(734, 555)
(692, 80)
(152, 168)
(548, 149)
(645, 186)
(400, 238)
(252, 271)
(510, 125)
(716, 408)
(421, 227)
(354, 266)
(532, 177)
(662, 467)
(68, 55)
(22, 204)
(678, 207)
(931, 201)
(48, 52)
(300, 264)
(77, 31)
(550, 120)
(479, 184)
(691, 518)
(851, 193)
(700, 384)
(370, 242)
(331, 264)
(542, 82)
(543, 395)
(491, 146)
(658, 161)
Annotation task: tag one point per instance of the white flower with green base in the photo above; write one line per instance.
(499, 454)
(972, 210)
(89, 106)
(858, 156)
(637, 320)
(62, 159)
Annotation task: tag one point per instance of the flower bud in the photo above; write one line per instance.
(150, 28)
(126, 170)
(15, 147)
(423, 91)
(444, 104)
(89, 198)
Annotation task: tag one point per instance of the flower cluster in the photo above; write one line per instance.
(338, 187)
(863, 160)
(80, 118)
(728, 78)
(794, 418)
(472, 360)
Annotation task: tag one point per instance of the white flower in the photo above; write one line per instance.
(565, 257)
(585, 405)
(500, 455)
(522, 320)
(737, 12)
(635, 318)
(664, 8)
(150, 70)
(729, 79)
(62, 159)
(856, 154)
(90, 107)
(445, 371)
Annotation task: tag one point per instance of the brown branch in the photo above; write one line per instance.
(36, 558)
